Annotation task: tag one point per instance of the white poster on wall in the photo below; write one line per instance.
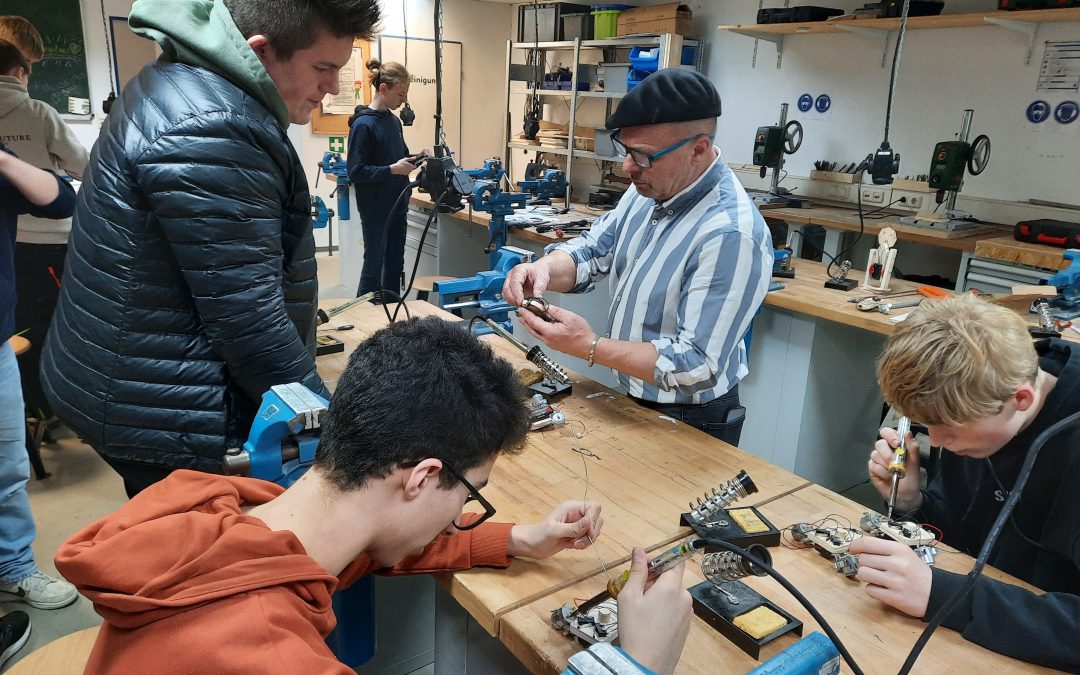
(420, 62)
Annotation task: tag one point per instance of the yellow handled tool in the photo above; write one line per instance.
(898, 465)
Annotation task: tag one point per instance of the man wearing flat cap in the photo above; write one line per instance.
(687, 256)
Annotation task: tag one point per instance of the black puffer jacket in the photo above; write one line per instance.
(190, 283)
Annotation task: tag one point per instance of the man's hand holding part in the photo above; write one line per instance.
(894, 574)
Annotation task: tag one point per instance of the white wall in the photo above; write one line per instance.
(481, 27)
(942, 72)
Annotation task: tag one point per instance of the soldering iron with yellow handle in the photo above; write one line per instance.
(898, 464)
(657, 566)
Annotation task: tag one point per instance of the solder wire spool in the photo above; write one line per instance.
(734, 489)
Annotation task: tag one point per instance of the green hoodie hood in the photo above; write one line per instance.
(202, 33)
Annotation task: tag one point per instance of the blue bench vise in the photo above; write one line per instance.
(333, 164)
(484, 291)
(1067, 282)
(283, 437)
(542, 187)
(280, 448)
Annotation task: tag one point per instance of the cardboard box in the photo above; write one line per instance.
(670, 18)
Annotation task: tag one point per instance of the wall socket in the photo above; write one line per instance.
(913, 200)
(873, 196)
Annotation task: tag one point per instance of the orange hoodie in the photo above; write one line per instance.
(187, 583)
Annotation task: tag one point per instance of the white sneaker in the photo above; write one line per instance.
(41, 591)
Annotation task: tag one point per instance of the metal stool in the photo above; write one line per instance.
(35, 428)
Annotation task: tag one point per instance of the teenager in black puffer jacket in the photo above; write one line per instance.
(190, 287)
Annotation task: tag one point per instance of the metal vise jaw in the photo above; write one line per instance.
(283, 437)
(484, 291)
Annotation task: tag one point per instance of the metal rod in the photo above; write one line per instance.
(965, 133)
(502, 332)
(775, 189)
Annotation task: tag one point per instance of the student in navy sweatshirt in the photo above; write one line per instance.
(23, 189)
(379, 168)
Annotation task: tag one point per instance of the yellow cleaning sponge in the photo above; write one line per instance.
(759, 622)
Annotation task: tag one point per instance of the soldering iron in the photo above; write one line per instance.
(721, 566)
(898, 465)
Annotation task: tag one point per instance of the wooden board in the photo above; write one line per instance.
(647, 472)
(843, 218)
(466, 215)
(806, 294)
(964, 20)
(1008, 249)
(878, 637)
(66, 655)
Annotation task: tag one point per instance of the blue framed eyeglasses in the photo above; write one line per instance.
(644, 159)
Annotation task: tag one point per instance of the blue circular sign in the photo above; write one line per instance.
(823, 103)
(806, 101)
(1037, 112)
(1066, 112)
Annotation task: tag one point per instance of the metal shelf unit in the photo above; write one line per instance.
(670, 45)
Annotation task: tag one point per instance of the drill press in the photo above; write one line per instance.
(947, 167)
(771, 143)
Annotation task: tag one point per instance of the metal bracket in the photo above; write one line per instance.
(875, 33)
(777, 40)
(1028, 28)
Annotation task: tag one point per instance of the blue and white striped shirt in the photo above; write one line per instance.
(687, 275)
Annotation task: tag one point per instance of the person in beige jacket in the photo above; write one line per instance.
(34, 131)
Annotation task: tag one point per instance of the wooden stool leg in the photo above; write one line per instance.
(33, 448)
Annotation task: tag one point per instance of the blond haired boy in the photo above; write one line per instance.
(21, 33)
(968, 370)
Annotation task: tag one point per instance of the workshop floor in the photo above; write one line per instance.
(82, 488)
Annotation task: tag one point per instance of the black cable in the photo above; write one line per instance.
(416, 264)
(113, 84)
(991, 539)
(790, 588)
(438, 74)
(895, 67)
(382, 258)
(815, 246)
(862, 229)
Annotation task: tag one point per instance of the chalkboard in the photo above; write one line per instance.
(63, 71)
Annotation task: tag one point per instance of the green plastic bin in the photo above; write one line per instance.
(606, 20)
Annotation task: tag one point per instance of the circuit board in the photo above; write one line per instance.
(599, 624)
(907, 533)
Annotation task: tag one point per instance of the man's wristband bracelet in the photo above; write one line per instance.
(592, 350)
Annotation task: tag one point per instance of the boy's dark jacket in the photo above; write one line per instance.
(1040, 544)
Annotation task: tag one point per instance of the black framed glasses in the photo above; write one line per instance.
(474, 495)
(644, 159)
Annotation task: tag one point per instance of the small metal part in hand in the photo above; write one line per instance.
(539, 307)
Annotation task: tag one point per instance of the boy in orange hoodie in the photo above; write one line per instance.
(217, 574)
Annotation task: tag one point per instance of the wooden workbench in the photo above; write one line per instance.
(847, 219)
(647, 470)
(878, 637)
(806, 294)
(577, 212)
(1007, 249)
